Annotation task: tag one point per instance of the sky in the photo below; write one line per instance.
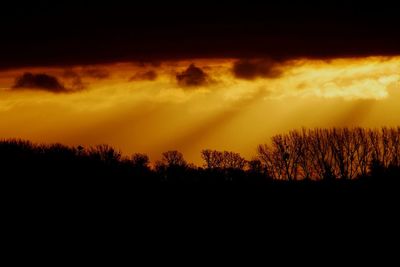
(151, 78)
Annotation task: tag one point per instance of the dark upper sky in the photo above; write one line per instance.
(57, 33)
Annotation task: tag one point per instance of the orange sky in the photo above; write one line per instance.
(127, 111)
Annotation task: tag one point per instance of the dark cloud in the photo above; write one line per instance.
(252, 69)
(44, 34)
(192, 76)
(97, 73)
(39, 81)
(150, 75)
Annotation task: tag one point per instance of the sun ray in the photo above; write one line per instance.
(155, 113)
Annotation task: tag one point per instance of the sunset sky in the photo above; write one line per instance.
(223, 77)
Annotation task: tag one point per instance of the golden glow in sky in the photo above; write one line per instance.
(146, 109)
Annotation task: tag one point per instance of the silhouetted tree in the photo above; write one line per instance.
(213, 159)
(173, 159)
(255, 166)
(232, 160)
(105, 153)
(172, 166)
(140, 161)
(222, 159)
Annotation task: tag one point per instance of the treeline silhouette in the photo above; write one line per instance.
(300, 155)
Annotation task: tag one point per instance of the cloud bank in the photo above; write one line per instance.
(39, 81)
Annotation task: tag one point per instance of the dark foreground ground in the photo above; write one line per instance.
(96, 218)
(89, 194)
(60, 195)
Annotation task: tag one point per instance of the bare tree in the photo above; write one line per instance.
(395, 146)
(105, 153)
(232, 160)
(222, 159)
(321, 154)
(173, 159)
(273, 165)
(213, 159)
(305, 156)
(363, 153)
